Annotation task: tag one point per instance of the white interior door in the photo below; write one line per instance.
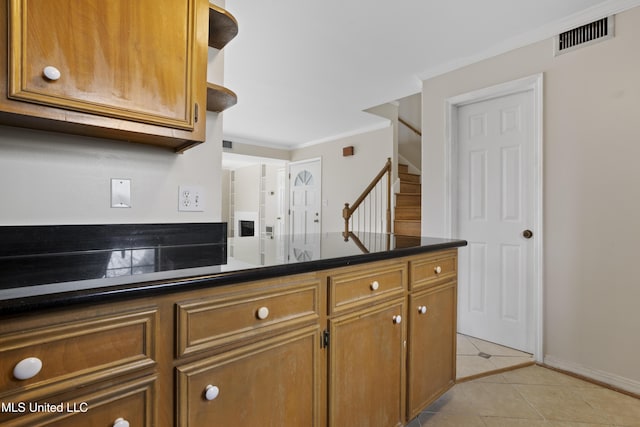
(305, 179)
(494, 214)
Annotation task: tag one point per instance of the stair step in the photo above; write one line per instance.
(403, 168)
(408, 212)
(407, 199)
(409, 177)
(406, 227)
(410, 187)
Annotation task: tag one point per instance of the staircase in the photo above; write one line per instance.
(407, 210)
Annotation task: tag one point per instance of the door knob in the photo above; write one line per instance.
(27, 368)
(51, 73)
(120, 422)
(262, 313)
(527, 234)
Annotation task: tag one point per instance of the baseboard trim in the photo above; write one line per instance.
(494, 372)
(606, 379)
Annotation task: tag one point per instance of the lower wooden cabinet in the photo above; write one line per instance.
(132, 403)
(431, 361)
(274, 382)
(369, 345)
(366, 367)
(81, 367)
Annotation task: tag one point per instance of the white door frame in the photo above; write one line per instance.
(534, 83)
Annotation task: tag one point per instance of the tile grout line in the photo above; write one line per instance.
(527, 400)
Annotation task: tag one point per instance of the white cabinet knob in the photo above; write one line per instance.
(422, 309)
(120, 422)
(51, 73)
(211, 392)
(397, 319)
(263, 313)
(375, 285)
(27, 368)
(438, 269)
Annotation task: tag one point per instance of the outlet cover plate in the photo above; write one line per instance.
(191, 198)
(120, 193)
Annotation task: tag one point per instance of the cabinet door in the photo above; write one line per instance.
(366, 384)
(432, 354)
(134, 60)
(271, 383)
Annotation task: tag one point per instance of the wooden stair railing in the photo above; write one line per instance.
(348, 211)
(410, 126)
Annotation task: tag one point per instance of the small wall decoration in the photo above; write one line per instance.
(347, 151)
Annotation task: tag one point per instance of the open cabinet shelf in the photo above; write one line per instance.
(219, 98)
(223, 27)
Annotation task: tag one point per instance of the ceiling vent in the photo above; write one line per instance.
(584, 35)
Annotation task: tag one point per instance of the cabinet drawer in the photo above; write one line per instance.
(79, 352)
(352, 289)
(434, 270)
(134, 402)
(224, 318)
(271, 382)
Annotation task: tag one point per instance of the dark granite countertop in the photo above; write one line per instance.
(46, 274)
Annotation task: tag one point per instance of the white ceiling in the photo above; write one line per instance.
(305, 70)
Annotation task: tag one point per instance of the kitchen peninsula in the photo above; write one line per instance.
(163, 327)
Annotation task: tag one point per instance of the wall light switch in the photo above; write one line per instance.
(191, 198)
(120, 193)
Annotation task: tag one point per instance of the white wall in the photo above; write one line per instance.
(247, 186)
(344, 178)
(591, 192)
(51, 178)
(409, 143)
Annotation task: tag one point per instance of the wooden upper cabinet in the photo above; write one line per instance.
(136, 70)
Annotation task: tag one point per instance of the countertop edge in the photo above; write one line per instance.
(150, 288)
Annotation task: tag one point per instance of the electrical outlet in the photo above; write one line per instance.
(191, 198)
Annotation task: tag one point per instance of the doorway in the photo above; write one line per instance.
(494, 201)
(253, 206)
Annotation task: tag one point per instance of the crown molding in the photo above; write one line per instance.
(383, 124)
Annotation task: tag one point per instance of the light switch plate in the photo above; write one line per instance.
(120, 193)
(191, 198)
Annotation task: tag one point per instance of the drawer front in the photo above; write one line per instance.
(272, 382)
(365, 286)
(434, 270)
(225, 318)
(79, 352)
(133, 402)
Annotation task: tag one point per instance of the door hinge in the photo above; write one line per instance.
(195, 114)
(325, 339)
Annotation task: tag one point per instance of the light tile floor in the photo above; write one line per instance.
(530, 397)
(470, 360)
